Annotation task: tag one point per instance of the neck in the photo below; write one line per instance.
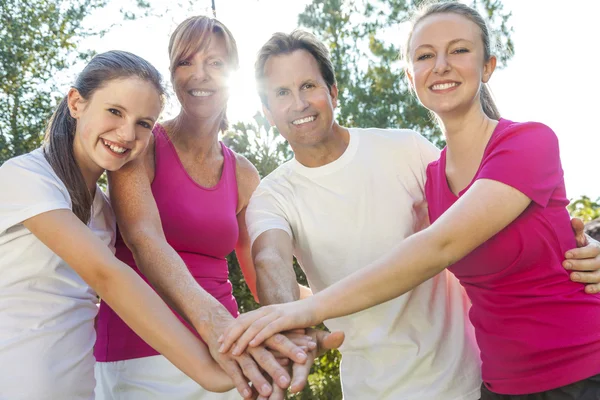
(197, 136)
(91, 174)
(466, 134)
(326, 151)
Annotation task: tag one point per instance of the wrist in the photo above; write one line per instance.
(317, 309)
(211, 323)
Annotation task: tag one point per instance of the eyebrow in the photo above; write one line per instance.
(450, 43)
(124, 109)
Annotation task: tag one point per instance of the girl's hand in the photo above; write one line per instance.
(255, 327)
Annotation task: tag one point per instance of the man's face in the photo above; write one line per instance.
(299, 102)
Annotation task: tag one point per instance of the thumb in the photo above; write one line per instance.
(579, 230)
(329, 341)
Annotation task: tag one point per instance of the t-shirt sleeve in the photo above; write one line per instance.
(264, 213)
(525, 157)
(428, 153)
(28, 189)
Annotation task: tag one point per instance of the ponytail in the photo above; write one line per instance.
(58, 150)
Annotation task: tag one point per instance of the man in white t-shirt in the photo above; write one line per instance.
(348, 197)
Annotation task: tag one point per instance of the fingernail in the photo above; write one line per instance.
(236, 351)
(221, 348)
(568, 265)
(253, 342)
(220, 339)
(312, 345)
(569, 255)
(301, 355)
(247, 392)
(575, 276)
(266, 389)
(284, 381)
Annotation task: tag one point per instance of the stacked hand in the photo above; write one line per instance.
(257, 326)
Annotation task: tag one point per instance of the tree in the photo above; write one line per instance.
(363, 40)
(585, 208)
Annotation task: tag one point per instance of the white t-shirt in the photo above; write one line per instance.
(46, 310)
(343, 216)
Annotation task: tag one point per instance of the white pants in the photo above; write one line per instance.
(150, 378)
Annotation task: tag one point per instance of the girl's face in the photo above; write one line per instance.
(200, 81)
(114, 125)
(447, 65)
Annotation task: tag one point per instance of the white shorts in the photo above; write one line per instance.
(150, 378)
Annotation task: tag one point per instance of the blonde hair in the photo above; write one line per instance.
(194, 35)
(487, 101)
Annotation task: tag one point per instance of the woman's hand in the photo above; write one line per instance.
(255, 327)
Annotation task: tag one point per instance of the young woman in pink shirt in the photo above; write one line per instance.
(498, 222)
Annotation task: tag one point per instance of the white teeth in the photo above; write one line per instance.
(116, 149)
(443, 86)
(200, 93)
(304, 120)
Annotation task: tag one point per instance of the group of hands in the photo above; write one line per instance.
(251, 349)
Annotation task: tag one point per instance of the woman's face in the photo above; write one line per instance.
(447, 65)
(114, 125)
(200, 81)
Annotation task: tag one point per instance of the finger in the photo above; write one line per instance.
(268, 328)
(240, 382)
(242, 342)
(250, 369)
(332, 340)
(592, 288)
(586, 277)
(300, 374)
(590, 264)
(269, 364)
(590, 251)
(291, 349)
(578, 226)
(237, 328)
(278, 393)
(283, 361)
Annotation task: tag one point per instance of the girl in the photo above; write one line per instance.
(497, 205)
(57, 234)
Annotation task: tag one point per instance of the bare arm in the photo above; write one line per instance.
(141, 228)
(418, 258)
(130, 297)
(273, 259)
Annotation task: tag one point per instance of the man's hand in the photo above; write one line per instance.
(247, 366)
(325, 341)
(585, 259)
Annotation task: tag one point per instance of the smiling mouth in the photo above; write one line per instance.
(444, 86)
(201, 93)
(304, 120)
(114, 148)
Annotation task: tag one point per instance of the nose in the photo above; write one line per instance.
(200, 72)
(300, 103)
(126, 132)
(441, 64)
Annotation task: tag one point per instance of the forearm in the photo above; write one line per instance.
(144, 311)
(170, 277)
(410, 263)
(275, 281)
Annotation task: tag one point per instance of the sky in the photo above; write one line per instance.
(551, 77)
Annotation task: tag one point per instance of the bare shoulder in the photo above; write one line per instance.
(247, 179)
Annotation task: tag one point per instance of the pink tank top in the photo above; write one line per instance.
(199, 223)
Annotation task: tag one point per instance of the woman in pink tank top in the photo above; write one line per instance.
(181, 211)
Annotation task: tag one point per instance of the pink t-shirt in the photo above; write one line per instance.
(536, 329)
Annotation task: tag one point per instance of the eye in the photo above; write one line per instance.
(424, 57)
(460, 50)
(183, 63)
(308, 86)
(146, 125)
(281, 92)
(114, 111)
(217, 63)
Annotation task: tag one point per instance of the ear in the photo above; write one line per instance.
(334, 95)
(268, 115)
(488, 69)
(75, 102)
